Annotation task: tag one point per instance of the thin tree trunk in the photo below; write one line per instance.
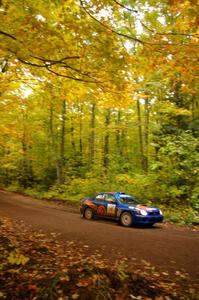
(26, 170)
(80, 133)
(62, 141)
(92, 135)
(118, 144)
(72, 137)
(106, 143)
(194, 108)
(54, 144)
(140, 136)
(146, 133)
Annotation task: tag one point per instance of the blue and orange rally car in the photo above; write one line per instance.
(121, 207)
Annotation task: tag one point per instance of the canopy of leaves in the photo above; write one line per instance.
(100, 87)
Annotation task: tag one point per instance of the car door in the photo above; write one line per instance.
(106, 205)
(111, 205)
(101, 205)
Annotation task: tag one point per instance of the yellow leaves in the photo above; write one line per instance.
(65, 278)
(9, 131)
(181, 5)
(185, 89)
(125, 178)
(75, 296)
(169, 108)
(16, 258)
(187, 15)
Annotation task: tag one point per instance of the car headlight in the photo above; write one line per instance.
(143, 212)
(160, 212)
(132, 207)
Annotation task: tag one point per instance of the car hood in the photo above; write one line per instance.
(143, 206)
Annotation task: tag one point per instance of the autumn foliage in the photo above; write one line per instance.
(100, 95)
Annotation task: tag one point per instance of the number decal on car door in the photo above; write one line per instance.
(111, 209)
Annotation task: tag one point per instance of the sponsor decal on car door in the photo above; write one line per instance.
(101, 205)
(101, 210)
(111, 208)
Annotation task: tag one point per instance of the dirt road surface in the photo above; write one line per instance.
(164, 246)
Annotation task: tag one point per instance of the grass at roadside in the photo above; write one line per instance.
(39, 266)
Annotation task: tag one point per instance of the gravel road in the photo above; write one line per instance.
(164, 246)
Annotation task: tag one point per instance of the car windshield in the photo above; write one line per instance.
(126, 199)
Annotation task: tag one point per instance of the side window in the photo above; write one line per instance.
(110, 198)
(99, 197)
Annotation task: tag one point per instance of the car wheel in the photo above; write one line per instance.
(88, 213)
(126, 219)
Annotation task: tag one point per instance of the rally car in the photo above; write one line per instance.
(121, 207)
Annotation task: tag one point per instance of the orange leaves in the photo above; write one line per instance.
(187, 14)
(59, 270)
(32, 287)
(85, 282)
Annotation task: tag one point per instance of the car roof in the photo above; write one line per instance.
(113, 193)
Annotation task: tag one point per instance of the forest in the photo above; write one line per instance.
(101, 96)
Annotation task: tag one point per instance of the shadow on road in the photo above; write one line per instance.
(115, 223)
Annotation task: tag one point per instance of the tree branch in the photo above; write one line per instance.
(125, 7)
(153, 31)
(30, 64)
(108, 28)
(72, 77)
(169, 33)
(8, 35)
(59, 74)
(51, 61)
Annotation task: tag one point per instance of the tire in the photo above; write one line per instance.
(126, 219)
(88, 213)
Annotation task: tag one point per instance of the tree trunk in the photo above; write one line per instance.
(106, 142)
(26, 172)
(80, 134)
(118, 144)
(72, 137)
(92, 135)
(194, 108)
(146, 133)
(54, 144)
(62, 142)
(24, 169)
(140, 136)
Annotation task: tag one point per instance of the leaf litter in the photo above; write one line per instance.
(35, 265)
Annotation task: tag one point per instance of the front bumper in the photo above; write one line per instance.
(148, 219)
